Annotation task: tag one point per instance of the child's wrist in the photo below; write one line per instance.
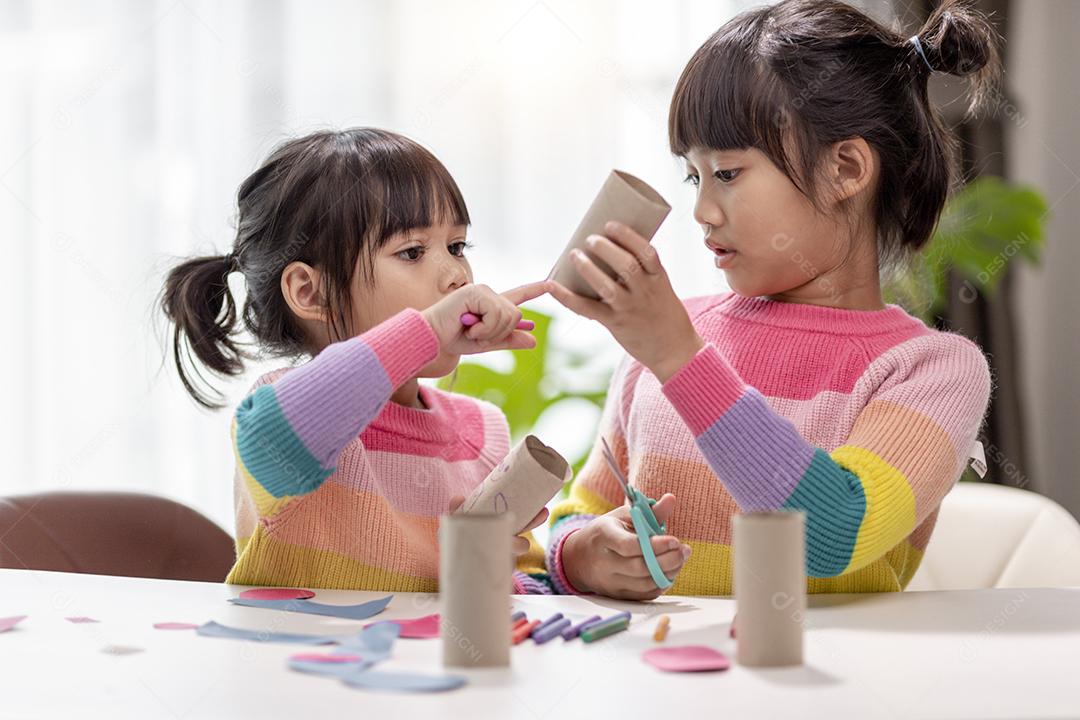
(665, 367)
(569, 553)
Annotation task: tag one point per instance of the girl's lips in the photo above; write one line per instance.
(723, 257)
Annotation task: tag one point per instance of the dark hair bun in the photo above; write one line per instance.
(958, 39)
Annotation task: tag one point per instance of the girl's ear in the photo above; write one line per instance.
(852, 166)
(300, 284)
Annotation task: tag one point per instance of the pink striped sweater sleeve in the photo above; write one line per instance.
(289, 433)
(906, 450)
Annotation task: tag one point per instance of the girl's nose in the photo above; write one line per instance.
(455, 277)
(706, 212)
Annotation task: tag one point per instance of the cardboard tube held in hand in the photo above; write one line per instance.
(522, 484)
(770, 587)
(624, 199)
(475, 581)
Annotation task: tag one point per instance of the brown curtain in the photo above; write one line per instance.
(988, 322)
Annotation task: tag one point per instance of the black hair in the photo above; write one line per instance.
(793, 78)
(329, 199)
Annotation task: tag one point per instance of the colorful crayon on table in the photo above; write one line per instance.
(543, 634)
(520, 614)
(661, 628)
(612, 625)
(572, 632)
(553, 619)
(523, 632)
(519, 623)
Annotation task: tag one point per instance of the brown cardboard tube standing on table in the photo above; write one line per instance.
(475, 565)
(522, 484)
(770, 587)
(624, 199)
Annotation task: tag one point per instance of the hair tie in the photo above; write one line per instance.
(231, 263)
(914, 40)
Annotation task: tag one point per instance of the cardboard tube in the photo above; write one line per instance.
(625, 199)
(522, 484)
(770, 587)
(475, 564)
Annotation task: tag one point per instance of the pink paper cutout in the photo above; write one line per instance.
(277, 594)
(175, 626)
(326, 658)
(420, 628)
(686, 658)
(10, 622)
(81, 620)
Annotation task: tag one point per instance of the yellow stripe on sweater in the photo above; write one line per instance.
(709, 572)
(581, 501)
(890, 504)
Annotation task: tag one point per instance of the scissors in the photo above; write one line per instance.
(645, 523)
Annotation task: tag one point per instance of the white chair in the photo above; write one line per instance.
(994, 536)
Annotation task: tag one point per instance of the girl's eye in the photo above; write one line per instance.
(693, 180)
(412, 254)
(458, 249)
(726, 176)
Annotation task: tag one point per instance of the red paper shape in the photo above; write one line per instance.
(420, 628)
(277, 594)
(175, 626)
(686, 658)
(326, 658)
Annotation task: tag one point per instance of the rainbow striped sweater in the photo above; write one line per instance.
(337, 487)
(862, 419)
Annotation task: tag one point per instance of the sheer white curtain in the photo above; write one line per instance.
(128, 125)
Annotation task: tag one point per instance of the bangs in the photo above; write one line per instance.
(400, 186)
(728, 99)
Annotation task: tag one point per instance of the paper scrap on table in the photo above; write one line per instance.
(417, 628)
(326, 657)
(403, 681)
(213, 629)
(277, 594)
(686, 658)
(175, 626)
(329, 669)
(10, 622)
(373, 642)
(357, 652)
(121, 650)
(350, 612)
(81, 620)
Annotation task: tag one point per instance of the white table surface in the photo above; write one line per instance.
(971, 654)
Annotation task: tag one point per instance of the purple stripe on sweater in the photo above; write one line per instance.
(564, 527)
(758, 455)
(331, 399)
(530, 585)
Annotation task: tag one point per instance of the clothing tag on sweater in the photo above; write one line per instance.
(978, 459)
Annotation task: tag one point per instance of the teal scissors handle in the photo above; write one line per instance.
(647, 527)
(645, 524)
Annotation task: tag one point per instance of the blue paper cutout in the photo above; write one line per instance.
(213, 629)
(350, 612)
(403, 681)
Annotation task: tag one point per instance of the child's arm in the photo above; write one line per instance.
(595, 490)
(907, 448)
(609, 561)
(288, 434)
